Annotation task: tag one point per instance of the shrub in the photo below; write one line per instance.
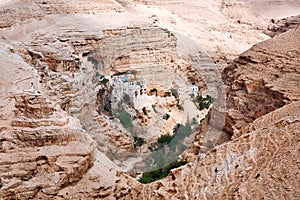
(153, 90)
(153, 106)
(176, 128)
(166, 116)
(180, 107)
(145, 111)
(104, 81)
(126, 98)
(162, 158)
(194, 121)
(125, 119)
(139, 141)
(165, 139)
(157, 174)
(175, 93)
(167, 94)
(107, 107)
(204, 102)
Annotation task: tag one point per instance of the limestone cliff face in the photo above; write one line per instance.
(260, 164)
(52, 138)
(43, 150)
(71, 80)
(144, 51)
(45, 153)
(262, 79)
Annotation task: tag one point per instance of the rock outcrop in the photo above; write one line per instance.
(43, 151)
(282, 25)
(260, 164)
(262, 79)
(56, 144)
(262, 160)
(143, 50)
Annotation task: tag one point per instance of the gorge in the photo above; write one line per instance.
(98, 96)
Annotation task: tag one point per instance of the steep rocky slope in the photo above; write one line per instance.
(42, 148)
(263, 162)
(53, 140)
(262, 80)
(146, 51)
(282, 25)
(260, 164)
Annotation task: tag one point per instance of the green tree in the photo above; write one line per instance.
(175, 93)
(125, 119)
(126, 98)
(139, 141)
(165, 138)
(204, 102)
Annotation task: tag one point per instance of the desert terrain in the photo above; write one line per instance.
(149, 99)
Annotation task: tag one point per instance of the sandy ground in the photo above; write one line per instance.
(224, 28)
(3, 2)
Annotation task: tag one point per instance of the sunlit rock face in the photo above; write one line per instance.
(58, 140)
(261, 80)
(261, 161)
(42, 149)
(141, 51)
(146, 86)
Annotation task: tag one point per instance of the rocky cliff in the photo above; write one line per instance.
(262, 80)
(43, 149)
(55, 144)
(262, 160)
(260, 164)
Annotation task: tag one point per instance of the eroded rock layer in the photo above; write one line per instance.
(263, 160)
(146, 51)
(261, 164)
(52, 137)
(262, 79)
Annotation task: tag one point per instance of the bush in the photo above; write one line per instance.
(157, 174)
(167, 94)
(139, 141)
(194, 121)
(104, 81)
(153, 90)
(145, 111)
(175, 93)
(165, 139)
(153, 107)
(204, 102)
(107, 106)
(126, 98)
(175, 146)
(176, 128)
(181, 131)
(166, 116)
(125, 119)
(179, 107)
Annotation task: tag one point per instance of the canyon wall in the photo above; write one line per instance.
(260, 164)
(43, 149)
(53, 140)
(262, 80)
(263, 160)
(142, 51)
